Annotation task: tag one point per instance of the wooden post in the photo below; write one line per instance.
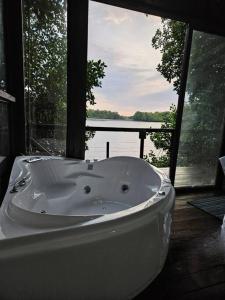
(107, 149)
(142, 137)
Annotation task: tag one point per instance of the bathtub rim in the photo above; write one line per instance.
(83, 220)
(26, 243)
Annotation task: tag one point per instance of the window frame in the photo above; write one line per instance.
(77, 37)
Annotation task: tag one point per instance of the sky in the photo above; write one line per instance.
(122, 39)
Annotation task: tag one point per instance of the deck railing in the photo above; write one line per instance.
(142, 136)
(58, 130)
(142, 133)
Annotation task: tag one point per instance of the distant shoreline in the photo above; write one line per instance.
(138, 116)
(98, 119)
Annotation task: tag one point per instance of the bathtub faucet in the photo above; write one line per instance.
(90, 166)
(33, 159)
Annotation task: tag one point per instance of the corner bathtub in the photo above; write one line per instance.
(73, 229)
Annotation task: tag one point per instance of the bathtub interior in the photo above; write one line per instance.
(69, 187)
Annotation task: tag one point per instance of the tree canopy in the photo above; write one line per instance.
(204, 102)
(170, 41)
(150, 116)
(137, 116)
(104, 114)
(162, 140)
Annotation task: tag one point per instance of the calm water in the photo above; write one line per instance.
(121, 143)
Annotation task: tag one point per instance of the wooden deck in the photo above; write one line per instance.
(193, 176)
(195, 267)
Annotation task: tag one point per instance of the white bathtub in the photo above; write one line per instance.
(72, 229)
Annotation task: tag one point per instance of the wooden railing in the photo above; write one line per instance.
(58, 130)
(142, 133)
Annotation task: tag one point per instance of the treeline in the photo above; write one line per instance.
(104, 114)
(150, 116)
(138, 116)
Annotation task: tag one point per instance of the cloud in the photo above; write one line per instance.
(126, 91)
(117, 18)
(102, 102)
(150, 86)
(122, 39)
(128, 103)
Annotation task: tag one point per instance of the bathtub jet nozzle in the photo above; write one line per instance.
(87, 189)
(161, 193)
(14, 190)
(125, 188)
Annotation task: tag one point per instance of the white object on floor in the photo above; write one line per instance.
(222, 161)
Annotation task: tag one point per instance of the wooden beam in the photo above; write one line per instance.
(76, 77)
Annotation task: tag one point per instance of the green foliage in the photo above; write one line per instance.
(45, 45)
(88, 135)
(170, 41)
(160, 162)
(162, 141)
(45, 59)
(104, 114)
(138, 116)
(204, 102)
(150, 116)
(95, 72)
(203, 116)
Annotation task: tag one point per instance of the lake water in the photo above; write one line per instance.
(121, 143)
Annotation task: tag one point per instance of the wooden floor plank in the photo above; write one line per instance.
(215, 292)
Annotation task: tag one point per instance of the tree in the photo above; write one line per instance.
(170, 41)
(45, 60)
(95, 72)
(203, 114)
(45, 44)
(162, 141)
(150, 116)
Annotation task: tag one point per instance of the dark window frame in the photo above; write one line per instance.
(77, 36)
(14, 97)
(14, 56)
